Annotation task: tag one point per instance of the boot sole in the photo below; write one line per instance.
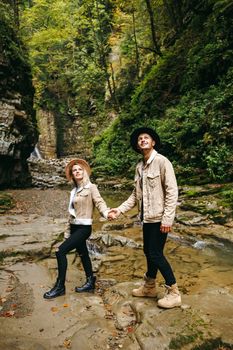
(170, 307)
(85, 291)
(144, 296)
(55, 296)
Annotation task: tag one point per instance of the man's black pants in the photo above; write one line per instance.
(154, 241)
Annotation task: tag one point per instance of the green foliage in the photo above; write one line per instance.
(68, 45)
(113, 155)
(13, 55)
(16, 78)
(227, 197)
(197, 132)
(185, 93)
(187, 96)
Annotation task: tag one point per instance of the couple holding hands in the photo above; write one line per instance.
(155, 192)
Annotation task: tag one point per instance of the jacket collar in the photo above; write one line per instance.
(141, 165)
(79, 189)
(152, 156)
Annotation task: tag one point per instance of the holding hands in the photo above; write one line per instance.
(113, 213)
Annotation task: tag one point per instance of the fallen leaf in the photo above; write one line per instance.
(9, 313)
(13, 306)
(9, 289)
(130, 329)
(67, 343)
(65, 305)
(2, 300)
(54, 309)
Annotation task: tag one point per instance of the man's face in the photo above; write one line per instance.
(145, 142)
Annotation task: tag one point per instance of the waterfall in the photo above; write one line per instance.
(36, 153)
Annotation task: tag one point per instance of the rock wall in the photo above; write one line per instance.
(48, 134)
(18, 131)
(47, 173)
(65, 135)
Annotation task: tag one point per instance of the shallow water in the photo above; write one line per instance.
(196, 263)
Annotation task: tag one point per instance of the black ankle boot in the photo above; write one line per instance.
(89, 286)
(56, 291)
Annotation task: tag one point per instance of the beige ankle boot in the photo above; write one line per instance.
(147, 289)
(171, 299)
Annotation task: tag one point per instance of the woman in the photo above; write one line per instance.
(83, 198)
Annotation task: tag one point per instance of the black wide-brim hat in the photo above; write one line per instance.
(144, 130)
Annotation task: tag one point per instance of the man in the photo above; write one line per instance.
(156, 194)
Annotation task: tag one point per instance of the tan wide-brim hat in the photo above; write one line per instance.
(81, 162)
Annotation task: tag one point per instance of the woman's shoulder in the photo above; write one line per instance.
(92, 186)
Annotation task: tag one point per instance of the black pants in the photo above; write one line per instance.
(154, 241)
(77, 240)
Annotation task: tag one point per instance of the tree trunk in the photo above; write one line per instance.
(136, 45)
(152, 25)
(175, 14)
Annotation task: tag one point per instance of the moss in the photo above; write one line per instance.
(6, 202)
(181, 340)
(214, 344)
(227, 198)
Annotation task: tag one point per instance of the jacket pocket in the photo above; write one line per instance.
(153, 179)
(84, 193)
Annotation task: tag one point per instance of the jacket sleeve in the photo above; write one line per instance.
(129, 203)
(99, 202)
(171, 193)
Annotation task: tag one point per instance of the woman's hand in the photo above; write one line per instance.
(113, 213)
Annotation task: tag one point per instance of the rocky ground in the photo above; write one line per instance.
(111, 318)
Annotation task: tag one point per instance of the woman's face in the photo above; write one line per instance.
(77, 173)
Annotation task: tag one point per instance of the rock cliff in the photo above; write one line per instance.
(18, 131)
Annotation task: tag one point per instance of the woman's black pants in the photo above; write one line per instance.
(154, 241)
(77, 240)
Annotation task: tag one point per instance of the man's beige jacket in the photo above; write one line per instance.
(155, 190)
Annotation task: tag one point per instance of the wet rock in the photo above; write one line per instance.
(112, 318)
(109, 240)
(31, 235)
(116, 227)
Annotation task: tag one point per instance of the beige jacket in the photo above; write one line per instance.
(155, 183)
(82, 203)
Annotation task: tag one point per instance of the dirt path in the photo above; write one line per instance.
(49, 202)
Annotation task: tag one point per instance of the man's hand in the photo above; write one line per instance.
(165, 228)
(113, 213)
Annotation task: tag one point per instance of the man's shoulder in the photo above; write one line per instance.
(160, 157)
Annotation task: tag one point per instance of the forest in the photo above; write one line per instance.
(167, 64)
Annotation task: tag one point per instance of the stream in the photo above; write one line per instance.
(111, 318)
